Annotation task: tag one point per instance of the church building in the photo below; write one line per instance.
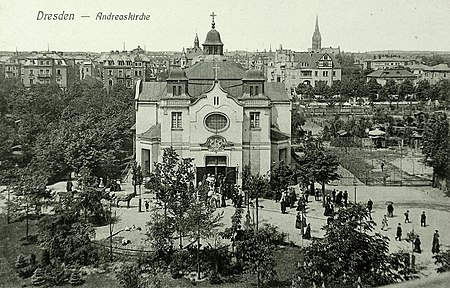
(216, 112)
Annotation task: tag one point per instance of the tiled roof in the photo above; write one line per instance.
(418, 67)
(276, 91)
(312, 60)
(277, 135)
(439, 67)
(154, 133)
(205, 70)
(153, 91)
(391, 73)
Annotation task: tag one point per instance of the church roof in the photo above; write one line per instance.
(254, 75)
(213, 38)
(153, 133)
(153, 91)
(205, 70)
(276, 91)
(177, 74)
(277, 135)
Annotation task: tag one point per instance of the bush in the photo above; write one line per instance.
(20, 261)
(128, 275)
(181, 261)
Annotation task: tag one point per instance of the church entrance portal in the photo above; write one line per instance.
(217, 167)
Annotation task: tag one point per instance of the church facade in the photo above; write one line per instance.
(216, 112)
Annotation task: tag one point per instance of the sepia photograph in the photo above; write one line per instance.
(194, 143)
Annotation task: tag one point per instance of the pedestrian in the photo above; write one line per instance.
(384, 223)
(399, 232)
(298, 221)
(382, 166)
(333, 194)
(146, 206)
(417, 245)
(307, 234)
(283, 205)
(435, 247)
(390, 210)
(370, 205)
(345, 197)
(407, 216)
(423, 220)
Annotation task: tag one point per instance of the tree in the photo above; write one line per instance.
(173, 181)
(349, 254)
(405, 88)
(436, 146)
(255, 249)
(281, 176)
(373, 88)
(422, 90)
(66, 235)
(297, 121)
(321, 166)
(258, 186)
(391, 88)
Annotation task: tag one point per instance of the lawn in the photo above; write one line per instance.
(12, 239)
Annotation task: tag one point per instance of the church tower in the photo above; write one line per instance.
(316, 39)
(213, 45)
(196, 42)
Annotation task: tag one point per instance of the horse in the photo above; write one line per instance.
(123, 198)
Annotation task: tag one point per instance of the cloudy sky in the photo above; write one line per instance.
(354, 25)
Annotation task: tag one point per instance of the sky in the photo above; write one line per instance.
(354, 25)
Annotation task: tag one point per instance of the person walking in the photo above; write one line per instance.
(345, 198)
(435, 247)
(417, 245)
(423, 220)
(407, 217)
(146, 206)
(369, 208)
(384, 223)
(399, 232)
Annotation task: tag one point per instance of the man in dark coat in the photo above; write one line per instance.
(345, 197)
(423, 220)
(435, 247)
(407, 217)
(417, 245)
(333, 194)
(399, 232)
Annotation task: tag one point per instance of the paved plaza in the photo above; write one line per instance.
(414, 199)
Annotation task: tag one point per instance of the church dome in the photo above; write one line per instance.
(254, 75)
(213, 38)
(177, 74)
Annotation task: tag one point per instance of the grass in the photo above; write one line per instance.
(12, 239)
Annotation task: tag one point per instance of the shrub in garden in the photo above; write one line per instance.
(38, 277)
(20, 261)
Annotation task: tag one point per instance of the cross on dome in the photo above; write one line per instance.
(213, 24)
